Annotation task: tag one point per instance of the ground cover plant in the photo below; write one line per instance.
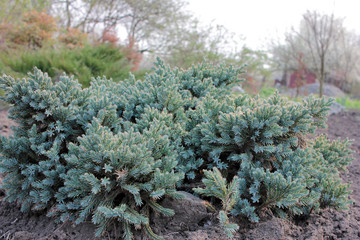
(112, 151)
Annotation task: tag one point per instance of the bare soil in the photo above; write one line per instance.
(194, 221)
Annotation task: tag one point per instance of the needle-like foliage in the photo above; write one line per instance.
(110, 152)
(216, 186)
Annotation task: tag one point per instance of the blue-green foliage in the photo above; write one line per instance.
(118, 176)
(216, 186)
(46, 115)
(263, 142)
(172, 91)
(110, 151)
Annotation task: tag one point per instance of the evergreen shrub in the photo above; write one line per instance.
(112, 151)
(82, 62)
(217, 187)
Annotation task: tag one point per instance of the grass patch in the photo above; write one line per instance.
(349, 103)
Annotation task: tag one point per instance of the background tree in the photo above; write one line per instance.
(317, 39)
(192, 43)
(152, 28)
(12, 9)
(344, 58)
(142, 20)
(320, 32)
(257, 65)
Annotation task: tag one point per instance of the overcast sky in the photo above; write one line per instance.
(259, 20)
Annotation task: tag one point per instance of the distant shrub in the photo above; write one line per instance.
(109, 36)
(31, 42)
(133, 54)
(83, 63)
(73, 38)
(35, 29)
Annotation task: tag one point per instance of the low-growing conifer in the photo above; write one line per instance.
(112, 151)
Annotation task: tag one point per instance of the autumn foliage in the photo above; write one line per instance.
(35, 39)
(35, 29)
(109, 36)
(73, 38)
(133, 54)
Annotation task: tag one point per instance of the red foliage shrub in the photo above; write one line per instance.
(73, 37)
(133, 54)
(35, 28)
(109, 36)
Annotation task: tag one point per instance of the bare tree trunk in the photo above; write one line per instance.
(322, 75)
(68, 14)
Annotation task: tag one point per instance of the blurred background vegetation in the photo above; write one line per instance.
(88, 38)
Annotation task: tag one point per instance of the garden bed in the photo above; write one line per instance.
(328, 224)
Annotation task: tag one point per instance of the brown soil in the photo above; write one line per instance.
(194, 221)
